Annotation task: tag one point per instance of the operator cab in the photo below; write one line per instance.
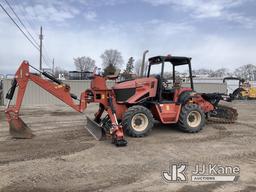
(164, 92)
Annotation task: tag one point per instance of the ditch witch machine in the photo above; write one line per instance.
(131, 106)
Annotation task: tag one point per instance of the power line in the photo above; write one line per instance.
(21, 22)
(18, 27)
(46, 54)
(45, 62)
(34, 42)
(44, 59)
(30, 22)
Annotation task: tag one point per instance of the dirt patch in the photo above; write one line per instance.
(248, 189)
(53, 145)
(172, 130)
(253, 126)
(67, 158)
(201, 188)
(219, 127)
(64, 113)
(52, 113)
(21, 188)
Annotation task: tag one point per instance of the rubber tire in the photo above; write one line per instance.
(183, 125)
(127, 118)
(237, 94)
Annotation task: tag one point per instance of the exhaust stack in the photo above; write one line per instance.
(143, 63)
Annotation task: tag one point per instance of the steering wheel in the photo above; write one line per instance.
(164, 83)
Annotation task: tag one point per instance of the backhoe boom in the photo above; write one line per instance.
(56, 88)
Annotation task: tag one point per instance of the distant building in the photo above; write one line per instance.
(78, 75)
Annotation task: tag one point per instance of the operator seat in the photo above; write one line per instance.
(167, 94)
(114, 76)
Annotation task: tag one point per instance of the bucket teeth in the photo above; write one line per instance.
(19, 129)
(94, 129)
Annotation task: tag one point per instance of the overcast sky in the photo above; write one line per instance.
(215, 33)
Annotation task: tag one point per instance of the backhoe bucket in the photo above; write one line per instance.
(19, 129)
(94, 129)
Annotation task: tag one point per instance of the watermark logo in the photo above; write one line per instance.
(214, 172)
(176, 173)
(201, 173)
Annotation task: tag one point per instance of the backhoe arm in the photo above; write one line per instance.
(60, 90)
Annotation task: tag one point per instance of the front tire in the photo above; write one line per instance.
(191, 119)
(137, 121)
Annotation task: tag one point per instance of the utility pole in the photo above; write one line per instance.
(53, 68)
(41, 45)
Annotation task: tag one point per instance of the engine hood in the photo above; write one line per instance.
(134, 91)
(134, 83)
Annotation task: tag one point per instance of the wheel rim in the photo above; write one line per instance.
(139, 122)
(194, 119)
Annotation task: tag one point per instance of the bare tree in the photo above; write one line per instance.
(112, 57)
(137, 67)
(222, 72)
(247, 72)
(84, 63)
(203, 71)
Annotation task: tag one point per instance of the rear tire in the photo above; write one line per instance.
(137, 121)
(238, 94)
(192, 118)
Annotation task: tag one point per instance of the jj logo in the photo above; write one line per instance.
(176, 173)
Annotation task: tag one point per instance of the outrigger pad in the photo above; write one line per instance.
(94, 129)
(19, 129)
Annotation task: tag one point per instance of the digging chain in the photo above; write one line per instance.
(223, 114)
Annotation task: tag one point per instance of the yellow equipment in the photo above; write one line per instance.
(244, 91)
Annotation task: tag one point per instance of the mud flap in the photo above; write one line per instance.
(94, 129)
(19, 129)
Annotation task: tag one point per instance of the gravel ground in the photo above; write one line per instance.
(64, 156)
